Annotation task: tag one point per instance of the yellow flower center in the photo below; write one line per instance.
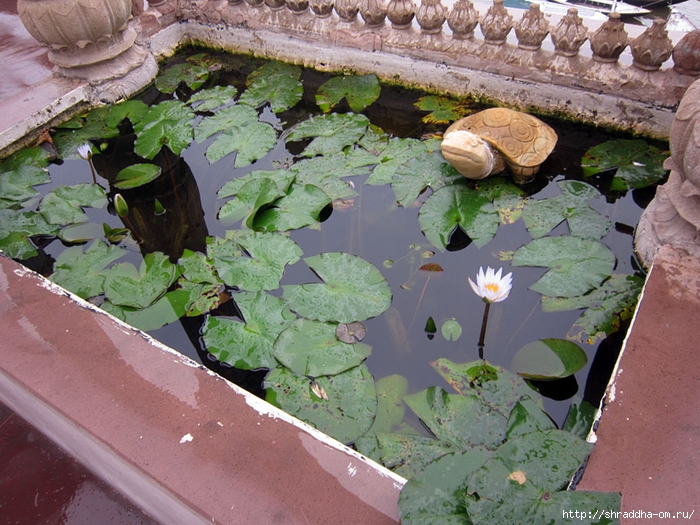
(492, 287)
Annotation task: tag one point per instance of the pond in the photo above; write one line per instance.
(248, 202)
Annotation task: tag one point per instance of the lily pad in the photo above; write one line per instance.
(252, 196)
(164, 311)
(283, 178)
(443, 110)
(435, 495)
(580, 418)
(138, 288)
(576, 265)
(330, 133)
(408, 454)
(81, 233)
(300, 207)
(19, 173)
(638, 164)
(212, 98)
(275, 82)
(395, 152)
(84, 273)
(16, 227)
(604, 309)
(196, 267)
(95, 125)
(310, 348)
(240, 131)
(359, 90)
(346, 415)
(64, 204)
(354, 290)
(134, 110)
(248, 344)
(350, 333)
(391, 407)
(413, 177)
(327, 173)
(463, 420)
(166, 124)
(451, 329)
(262, 265)
(458, 205)
(192, 74)
(527, 416)
(549, 359)
(136, 175)
(541, 216)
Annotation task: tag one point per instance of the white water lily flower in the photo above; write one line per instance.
(85, 151)
(491, 287)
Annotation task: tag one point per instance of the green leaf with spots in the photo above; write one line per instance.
(64, 205)
(164, 311)
(282, 178)
(261, 263)
(275, 82)
(413, 177)
(346, 415)
(408, 454)
(19, 173)
(522, 482)
(248, 344)
(527, 416)
(580, 418)
(84, 273)
(465, 421)
(638, 164)
(604, 309)
(136, 175)
(541, 216)
(353, 290)
(212, 98)
(329, 133)
(300, 207)
(508, 199)
(166, 124)
(240, 131)
(434, 496)
(311, 348)
(456, 206)
(495, 386)
(255, 194)
(359, 90)
(125, 285)
(193, 74)
(196, 267)
(16, 227)
(327, 173)
(134, 110)
(396, 152)
(576, 265)
(202, 298)
(549, 359)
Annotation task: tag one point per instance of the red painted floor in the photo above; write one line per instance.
(41, 485)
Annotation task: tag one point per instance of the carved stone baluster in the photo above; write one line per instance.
(463, 19)
(373, 12)
(431, 16)
(570, 34)
(652, 48)
(255, 3)
(610, 40)
(298, 7)
(347, 10)
(496, 24)
(400, 13)
(275, 5)
(532, 28)
(686, 54)
(322, 8)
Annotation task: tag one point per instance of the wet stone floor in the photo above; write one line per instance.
(42, 485)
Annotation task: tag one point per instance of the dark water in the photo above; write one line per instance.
(373, 226)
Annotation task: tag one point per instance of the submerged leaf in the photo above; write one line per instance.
(192, 74)
(346, 415)
(359, 90)
(451, 329)
(638, 164)
(164, 311)
(549, 359)
(353, 290)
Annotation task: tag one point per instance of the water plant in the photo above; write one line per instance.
(305, 315)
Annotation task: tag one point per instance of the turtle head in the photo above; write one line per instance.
(468, 153)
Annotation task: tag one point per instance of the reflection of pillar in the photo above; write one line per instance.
(91, 40)
(182, 223)
(673, 216)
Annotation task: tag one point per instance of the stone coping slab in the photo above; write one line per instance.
(648, 440)
(182, 443)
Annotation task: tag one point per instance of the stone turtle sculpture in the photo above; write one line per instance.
(492, 140)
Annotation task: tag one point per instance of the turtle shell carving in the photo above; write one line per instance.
(521, 140)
